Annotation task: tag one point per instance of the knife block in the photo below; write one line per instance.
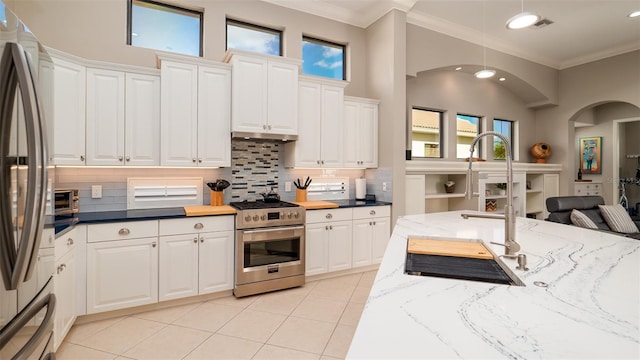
(217, 198)
(301, 195)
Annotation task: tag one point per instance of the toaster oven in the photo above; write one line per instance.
(67, 201)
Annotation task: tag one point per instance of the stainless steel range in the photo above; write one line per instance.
(269, 246)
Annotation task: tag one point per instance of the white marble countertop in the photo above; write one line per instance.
(590, 309)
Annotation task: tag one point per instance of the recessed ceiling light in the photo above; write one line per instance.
(484, 74)
(459, 68)
(634, 14)
(522, 20)
(502, 79)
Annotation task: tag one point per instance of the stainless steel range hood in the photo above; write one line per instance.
(263, 136)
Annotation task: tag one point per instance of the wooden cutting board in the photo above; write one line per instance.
(467, 249)
(316, 204)
(203, 210)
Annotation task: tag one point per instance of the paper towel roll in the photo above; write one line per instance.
(361, 189)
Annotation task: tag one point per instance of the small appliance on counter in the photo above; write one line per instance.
(361, 189)
(66, 201)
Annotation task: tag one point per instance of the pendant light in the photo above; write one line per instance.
(484, 73)
(522, 20)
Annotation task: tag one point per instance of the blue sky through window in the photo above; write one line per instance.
(322, 60)
(256, 40)
(164, 28)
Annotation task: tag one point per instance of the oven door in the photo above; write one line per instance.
(269, 253)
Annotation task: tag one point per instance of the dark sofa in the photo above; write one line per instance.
(560, 208)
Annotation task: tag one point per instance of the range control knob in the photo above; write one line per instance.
(296, 215)
(247, 218)
(255, 217)
(263, 217)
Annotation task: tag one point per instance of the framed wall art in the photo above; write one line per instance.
(590, 154)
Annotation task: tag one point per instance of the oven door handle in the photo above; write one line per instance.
(262, 231)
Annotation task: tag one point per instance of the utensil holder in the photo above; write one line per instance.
(217, 198)
(301, 195)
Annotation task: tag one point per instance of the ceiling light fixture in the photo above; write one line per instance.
(634, 14)
(484, 73)
(522, 20)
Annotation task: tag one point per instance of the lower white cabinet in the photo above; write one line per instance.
(328, 240)
(340, 239)
(371, 231)
(196, 256)
(121, 273)
(65, 290)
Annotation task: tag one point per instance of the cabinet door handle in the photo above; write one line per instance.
(372, 212)
(330, 227)
(374, 223)
(193, 160)
(61, 268)
(269, 127)
(195, 240)
(264, 127)
(322, 162)
(153, 244)
(124, 231)
(198, 226)
(326, 228)
(120, 158)
(318, 162)
(199, 160)
(128, 158)
(69, 241)
(328, 216)
(81, 157)
(201, 239)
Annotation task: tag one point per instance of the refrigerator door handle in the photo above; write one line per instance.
(23, 318)
(18, 259)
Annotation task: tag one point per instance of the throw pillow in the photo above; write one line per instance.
(618, 219)
(578, 218)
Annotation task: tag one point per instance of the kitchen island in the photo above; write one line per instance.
(590, 307)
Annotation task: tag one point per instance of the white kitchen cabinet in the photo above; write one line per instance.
(264, 96)
(69, 113)
(371, 231)
(328, 241)
(320, 126)
(142, 120)
(105, 117)
(123, 118)
(196, 256)
(195, 115)
(360, 133)
(65, 290)
(122, 265)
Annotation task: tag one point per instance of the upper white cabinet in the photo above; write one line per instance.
(360, 133)
(69, 112)
(264, 94)
(320, 116)
(123, 118)
(195, 114)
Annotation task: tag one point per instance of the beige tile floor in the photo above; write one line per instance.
(315, 321)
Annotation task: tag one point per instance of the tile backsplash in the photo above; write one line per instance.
(254, 168)
(114, 183)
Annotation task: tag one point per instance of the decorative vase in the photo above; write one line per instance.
(541, 151)
(449, 186)
(491, 205)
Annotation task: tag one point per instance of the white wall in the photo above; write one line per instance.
(456, 92)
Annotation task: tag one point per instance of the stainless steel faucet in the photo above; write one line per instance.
(511, 247)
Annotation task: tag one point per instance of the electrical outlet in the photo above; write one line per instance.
(384, 186)
(287, 186)
(96, 191)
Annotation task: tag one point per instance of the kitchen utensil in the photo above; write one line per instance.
(302, 186)
(218, 185)
(271, 196)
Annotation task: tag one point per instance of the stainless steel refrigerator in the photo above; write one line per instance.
(27, 302)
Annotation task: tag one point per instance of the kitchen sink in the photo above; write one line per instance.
(455, 258)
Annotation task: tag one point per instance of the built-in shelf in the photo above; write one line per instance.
(443, 195)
